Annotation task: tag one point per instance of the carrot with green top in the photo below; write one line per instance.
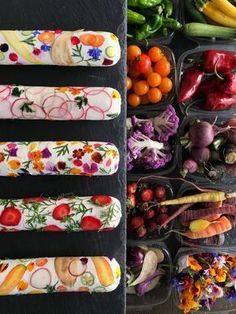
(214, 196)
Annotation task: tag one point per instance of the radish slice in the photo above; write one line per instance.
(99, 98)
(94, 113)
(59, 114)
(4, 92)
(41, 278)
(37, 93)
(5, 109)
(16, 107)
(51, 102)
(77, 268)
(72, 107)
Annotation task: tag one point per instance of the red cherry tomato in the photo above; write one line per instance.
(142, 63)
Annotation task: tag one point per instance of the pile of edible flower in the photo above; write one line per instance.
(203, 278)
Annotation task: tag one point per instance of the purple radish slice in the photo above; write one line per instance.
(200, 154)
(41, 278)
(4, 92)
(77, 267)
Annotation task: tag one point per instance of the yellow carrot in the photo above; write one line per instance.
(214, 196)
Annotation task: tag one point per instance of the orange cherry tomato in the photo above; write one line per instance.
(129, 83)
(155, 54)
(154, 95)
(133, 52)
(166, 85)
(141, 88)
(133, 73)
(144, 100)
(154, 79)
(163, 67)
(134, 100)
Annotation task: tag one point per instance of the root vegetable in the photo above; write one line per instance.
(201, 154)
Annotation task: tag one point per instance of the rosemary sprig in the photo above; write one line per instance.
(61, 150)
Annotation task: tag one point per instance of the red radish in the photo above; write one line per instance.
(147, 195)
(152, 226)
(131, 188)
(101, 200)
(141, 232)
(77, 268)
(136, 222)
(161, 219)
(90, 223)
(201, 154)
(131, 201)
(61, 211)
(231, 134)
(162, 210)
(10, 216)
(160, 193)
(53, 228)
(41, 278)
(150, 213)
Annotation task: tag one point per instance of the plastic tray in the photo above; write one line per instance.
(200, 40)
(182, 152)
(155, 236)
(161, 293)
(170, 97)
(170, 166)
(222, 305)
(230, 237)
(165, 40)
(182, 64)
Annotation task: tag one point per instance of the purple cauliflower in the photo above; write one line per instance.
(143, 125)
(154, 158)
(166, 124)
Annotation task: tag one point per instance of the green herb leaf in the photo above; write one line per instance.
(16, 92)
(26, 107)
(81, 101)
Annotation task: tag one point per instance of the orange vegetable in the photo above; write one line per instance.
(129, 83)
(22, 285)
(141, 88)
(154, 95)
(46, 37)
(41, 262)
(134, 100)
(163, 67)
(154, 79)
(166, 85)
(155, 54)
(133, 72)
(92, 40)
(133, 52)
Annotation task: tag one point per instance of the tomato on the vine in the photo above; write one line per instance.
(142, 63)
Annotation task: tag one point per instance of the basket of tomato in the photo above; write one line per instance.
(150, 77)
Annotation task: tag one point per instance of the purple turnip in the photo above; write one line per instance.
(189, 166)
(200, 155)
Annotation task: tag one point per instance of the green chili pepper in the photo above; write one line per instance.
(165, 31)
(135, 18)
(143, 4)
(171, 23)
(149, 28)
(168, 7)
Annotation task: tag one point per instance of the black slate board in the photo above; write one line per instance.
(106, 15)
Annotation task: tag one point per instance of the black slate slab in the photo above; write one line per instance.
(106, 15)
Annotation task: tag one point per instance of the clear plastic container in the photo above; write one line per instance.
(170, 166)
(184, 19)
(229, 238)
(169, 98)
(165, 40)
(186, 60)
(222, 305)
(155, 236)
(161, 293)
(183, 153)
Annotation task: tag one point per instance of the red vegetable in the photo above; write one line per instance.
(216, 100)
(160, 193)
(131, 188)
(131, 201)
(141, 232)
(227, 84)
(136, 222)
(142, 63)
(152, 226)
(150, 213)
(191, 80)
(147, 195)
(223, 61)
(206, 85)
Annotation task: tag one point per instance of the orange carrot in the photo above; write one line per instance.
(219, 226)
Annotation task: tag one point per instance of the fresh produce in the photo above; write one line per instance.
(148, 145)
(143, 269)
(12, 279)
(146, 217)
(220, 13)
(206, 145)
(151, 19)
(210, 80)
(104, 271)
(148, 80)
(40, 278)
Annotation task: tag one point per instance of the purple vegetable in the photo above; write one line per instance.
(145, 126)
(149, 283)
(201, 154)
(135, 257)
(231, 134)
(190, 166)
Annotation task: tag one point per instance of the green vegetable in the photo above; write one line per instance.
(143, 4)
(135, 18)
(193, 12)
(171, 23)
(149, 28)
(206, 30)
(168, 7)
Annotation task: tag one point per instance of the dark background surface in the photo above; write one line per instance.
(103, 15)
